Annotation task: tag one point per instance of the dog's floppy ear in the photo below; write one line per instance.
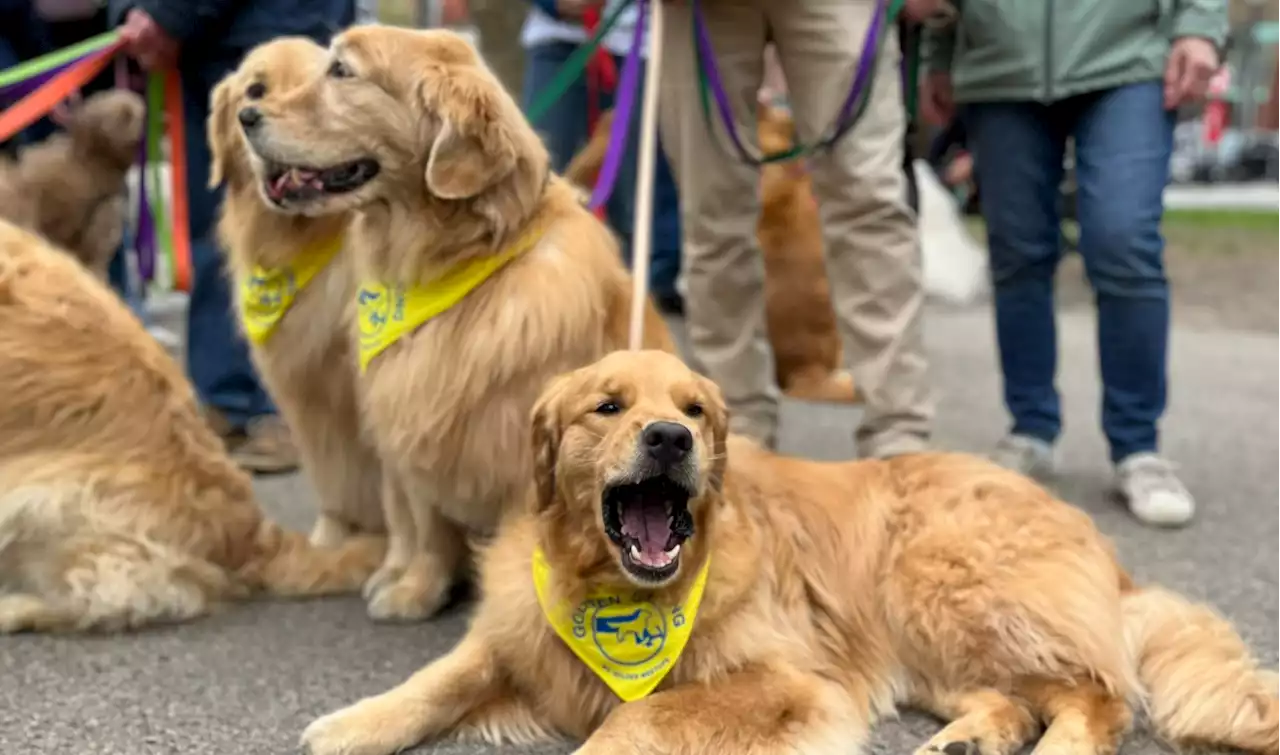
(546, 441)
(717, 413)
(222, 133)
(474, 148)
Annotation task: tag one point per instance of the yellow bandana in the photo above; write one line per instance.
(628, 642)
(267, 293)
(388, 313)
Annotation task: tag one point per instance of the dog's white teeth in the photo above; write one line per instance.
(671, 554)
(635, 552)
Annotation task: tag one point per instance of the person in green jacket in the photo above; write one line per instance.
(1026, 76)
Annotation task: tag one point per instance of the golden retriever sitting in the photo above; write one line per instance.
(118, 504)
(798, 312)
(808, 599)
(481, 276)
(295, 284)
(70, 188)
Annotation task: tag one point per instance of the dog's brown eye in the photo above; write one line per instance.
(693, 410)
(608, 407)
(339, 70)
(256, 91)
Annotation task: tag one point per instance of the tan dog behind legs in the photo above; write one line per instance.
(308, 362)
(70, 188)
(411, 131)
(118, 504)
(833, 592)
(801, 323)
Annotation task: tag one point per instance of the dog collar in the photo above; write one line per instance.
(266, 294)
(387, 313)
(627, 640)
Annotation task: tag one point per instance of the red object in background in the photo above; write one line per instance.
(1216, 111)
(601, 74)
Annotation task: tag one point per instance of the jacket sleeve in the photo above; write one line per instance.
(936, 47)
(546, 6)
(1201, 18)
(182, 19)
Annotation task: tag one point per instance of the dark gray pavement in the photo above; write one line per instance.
(247, 681)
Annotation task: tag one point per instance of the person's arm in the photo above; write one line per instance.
(180, 19)
(1206, 19)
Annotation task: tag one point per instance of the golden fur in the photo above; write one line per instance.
(118, 504)
(798, 313)
(451, 172)
(70, 188)
(308, 364)
(836, 591)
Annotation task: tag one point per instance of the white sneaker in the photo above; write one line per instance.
(1025, 455)
(1153, 491)
(167, 338)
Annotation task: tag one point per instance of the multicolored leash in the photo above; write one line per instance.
(37, 86)
(711, 86)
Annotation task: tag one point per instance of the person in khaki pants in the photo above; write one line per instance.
(873, 258)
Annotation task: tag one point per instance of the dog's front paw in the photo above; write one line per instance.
(413, 597)
(385, 576)
(361, 729)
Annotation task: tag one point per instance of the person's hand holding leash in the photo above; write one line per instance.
(937, 101)
(147, 42)
(1192, 62)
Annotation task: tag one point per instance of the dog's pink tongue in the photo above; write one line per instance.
(648, 524)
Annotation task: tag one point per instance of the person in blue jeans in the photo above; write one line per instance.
(552, 32)
(1108, 75)
(207, 39)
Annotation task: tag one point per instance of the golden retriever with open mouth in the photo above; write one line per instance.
(481, 276)
(119, 506)
(808, 598)
(295, 284)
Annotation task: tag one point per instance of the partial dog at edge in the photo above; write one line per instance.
(297, 280)
(801, 322)
(410, 131)
(119, 506)
(833, 593)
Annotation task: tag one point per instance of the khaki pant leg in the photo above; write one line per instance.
(873, 255)
(722, 265)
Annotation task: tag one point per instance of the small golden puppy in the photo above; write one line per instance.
(118, 504)
(670, 590)
(71, 188)
(481, 276)
(295, 285)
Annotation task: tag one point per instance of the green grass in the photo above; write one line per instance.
(1228, 220)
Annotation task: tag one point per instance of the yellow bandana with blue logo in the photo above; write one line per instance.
(267, 293)
(628, 641)
(388, 313)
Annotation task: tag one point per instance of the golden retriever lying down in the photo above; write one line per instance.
(481, 277)
(71, 188)
(809, 599)
(118, 505)
(798, 312)
(295, 284)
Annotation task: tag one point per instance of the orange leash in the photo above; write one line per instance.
(39, 103)
(181, 219)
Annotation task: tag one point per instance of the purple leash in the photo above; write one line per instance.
(621, 127)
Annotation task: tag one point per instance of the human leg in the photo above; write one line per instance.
(1018, 159)
(873, 256)
(719, 205)
(564, 125)
(217, 357)
(1124, 137)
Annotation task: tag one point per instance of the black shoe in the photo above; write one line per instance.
(669, 304)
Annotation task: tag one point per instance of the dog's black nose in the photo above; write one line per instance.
(667, 442)
(250, 117)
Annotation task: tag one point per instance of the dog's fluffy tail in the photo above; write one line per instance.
(287, 564)
(835, 386)
(1203, 686)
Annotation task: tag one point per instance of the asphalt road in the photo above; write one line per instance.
(247, 681)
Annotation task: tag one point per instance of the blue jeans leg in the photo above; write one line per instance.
(564, 131)
(1124, 139)
(217, 356)
(1018, 151)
